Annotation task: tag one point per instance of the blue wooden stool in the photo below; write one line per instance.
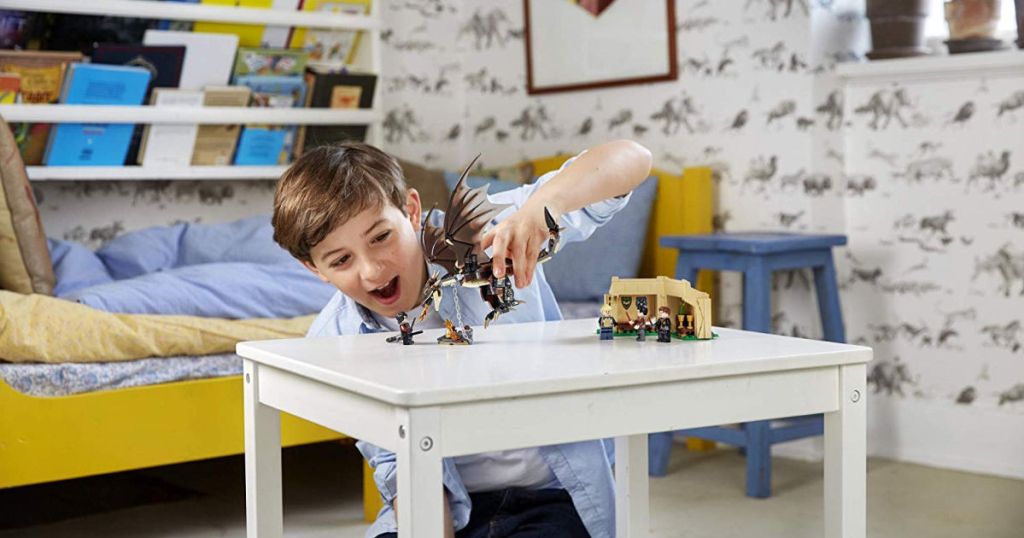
(757, 255)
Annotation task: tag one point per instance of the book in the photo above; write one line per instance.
(215, 144)
(336, 90)
(13, 29)
(92, 144)
(249, 35)
(208, 57)
(278, 36)
(163, 62)
(170, 144)
(179, 26)
(60, 31)
(42, 74)
(275, 92)
(270, 62)
(260, 146)
(331, 48)
(10, 83)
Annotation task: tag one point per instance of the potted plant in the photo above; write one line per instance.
(897, 28)
(972, 25)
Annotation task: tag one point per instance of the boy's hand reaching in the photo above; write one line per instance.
(518, 239)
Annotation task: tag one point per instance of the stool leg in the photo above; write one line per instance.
(759, 459)
(659, 448)
(757, 296)
(828, 301)
(685, 271)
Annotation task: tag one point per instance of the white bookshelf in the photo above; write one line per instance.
(95, 173)
(368, 58)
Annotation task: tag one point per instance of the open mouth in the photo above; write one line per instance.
(387, 293)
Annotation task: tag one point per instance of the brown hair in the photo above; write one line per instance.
(329, 185)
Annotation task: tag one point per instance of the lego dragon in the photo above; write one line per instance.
(454, 246)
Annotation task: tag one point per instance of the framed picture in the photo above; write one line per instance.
(585, 44)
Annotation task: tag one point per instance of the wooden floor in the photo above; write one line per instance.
(701, 497)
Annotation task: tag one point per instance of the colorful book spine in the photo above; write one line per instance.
(96, 144)
(215, 144)
(274, 92)
(170, 144)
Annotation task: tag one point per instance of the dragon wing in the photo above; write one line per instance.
(469, 211)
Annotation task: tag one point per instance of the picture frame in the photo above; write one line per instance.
(589, 44)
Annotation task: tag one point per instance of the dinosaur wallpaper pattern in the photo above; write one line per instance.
(926, 178)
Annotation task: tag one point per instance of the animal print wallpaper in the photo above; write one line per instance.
(923, 177)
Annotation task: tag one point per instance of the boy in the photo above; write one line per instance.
(345, 212)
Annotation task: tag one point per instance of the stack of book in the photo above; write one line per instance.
(215, 64)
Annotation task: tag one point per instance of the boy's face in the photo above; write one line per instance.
(375, 257)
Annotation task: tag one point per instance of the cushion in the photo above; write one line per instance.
(583, 271)
(160, 248)
(233, 290)
(24, 259)
(494, 185)
(76, 267)
(429, 183)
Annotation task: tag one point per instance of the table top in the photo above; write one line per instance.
(753, 242)
(510, 360)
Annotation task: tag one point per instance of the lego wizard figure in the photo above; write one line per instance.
(641, 324)
(606, 322)
(663, 325)
(405, 332)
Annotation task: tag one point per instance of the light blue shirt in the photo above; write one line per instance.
(582, 468)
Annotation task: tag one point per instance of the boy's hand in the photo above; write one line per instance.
(519, 238)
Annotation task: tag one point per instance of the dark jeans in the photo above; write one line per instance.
(521, 513)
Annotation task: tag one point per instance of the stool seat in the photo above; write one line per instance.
(757, 255)
(753, 242)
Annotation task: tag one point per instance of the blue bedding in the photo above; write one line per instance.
(232, 270)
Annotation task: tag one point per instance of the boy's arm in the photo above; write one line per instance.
(605, 171)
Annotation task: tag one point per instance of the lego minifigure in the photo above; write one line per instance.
(664, 325)
(405, 332)
(641, 324)
(606, 322)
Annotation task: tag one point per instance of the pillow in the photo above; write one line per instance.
(24, 259)
(494, 185)
(160, 248)
(429, 183)
(233, 290)
(583, 271)
(75, 267)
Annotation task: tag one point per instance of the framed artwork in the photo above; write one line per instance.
(585, 44)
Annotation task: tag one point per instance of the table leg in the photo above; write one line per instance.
(631, 487)
(420, 479)
(846, 458)
(263, 507)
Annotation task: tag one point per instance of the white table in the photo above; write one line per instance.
(543, 383)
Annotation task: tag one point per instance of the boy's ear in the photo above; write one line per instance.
(315, 271)
(413, 207)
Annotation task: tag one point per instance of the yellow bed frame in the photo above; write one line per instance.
(43, 439)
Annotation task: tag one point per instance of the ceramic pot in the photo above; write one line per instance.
(897, 28)
(972, 25)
